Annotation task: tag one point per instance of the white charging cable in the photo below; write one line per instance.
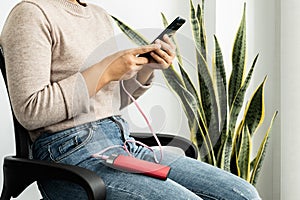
(100, 154)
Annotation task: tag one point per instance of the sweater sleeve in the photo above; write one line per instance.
(135, 88)
(37, 102)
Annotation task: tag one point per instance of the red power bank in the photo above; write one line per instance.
(134, 165)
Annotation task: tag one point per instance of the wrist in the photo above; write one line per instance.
(144, 74)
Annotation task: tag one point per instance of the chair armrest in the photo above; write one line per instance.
(20, 173)
(168, 140)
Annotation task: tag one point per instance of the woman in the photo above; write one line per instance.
(69, 101)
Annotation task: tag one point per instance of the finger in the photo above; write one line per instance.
(145, 49)
(167, 47)
(167, 54)
(158, 58)
(141, 60)
(168, 40)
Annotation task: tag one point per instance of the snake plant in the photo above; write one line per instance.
(221, 124)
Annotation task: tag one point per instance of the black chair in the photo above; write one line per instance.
(19, 171)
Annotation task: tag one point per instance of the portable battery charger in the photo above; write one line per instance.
(134, 165)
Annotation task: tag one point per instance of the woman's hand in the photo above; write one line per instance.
(125, 64)
(121, 65)
(159, 59)
(162, 58)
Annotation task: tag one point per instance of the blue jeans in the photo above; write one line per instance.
(188, 178)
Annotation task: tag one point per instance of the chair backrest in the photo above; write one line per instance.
(22, 140)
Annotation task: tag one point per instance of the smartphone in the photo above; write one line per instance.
(171, 28)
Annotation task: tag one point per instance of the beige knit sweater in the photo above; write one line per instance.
(47, 43)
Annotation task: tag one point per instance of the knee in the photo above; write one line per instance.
(246, 191)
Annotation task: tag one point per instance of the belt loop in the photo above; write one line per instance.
(94, 125)
(119, 124)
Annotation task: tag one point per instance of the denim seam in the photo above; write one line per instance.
(201, 194)
(90, 134)
(120, 127)
(65, 134)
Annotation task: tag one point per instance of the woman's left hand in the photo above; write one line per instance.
(162, 58)
(159, 59)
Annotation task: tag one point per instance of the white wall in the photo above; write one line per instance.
(222, 18)
(290, 98)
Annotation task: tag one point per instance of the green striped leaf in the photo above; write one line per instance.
(261, 154)
(203, 140)
(200, 17)
(190, 107)
(244, 155)
(238, 60)
(237, 140)
(255, 111)
(209, 102)
(191, 88)
(207, 93)
(226, 153)
(219, 77)
(239, 99)
(134, 36)
(196, 27)
(233, 115)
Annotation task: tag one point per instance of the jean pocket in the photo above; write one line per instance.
(70, 144)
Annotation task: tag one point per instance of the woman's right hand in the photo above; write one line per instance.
(125, 64)
(121, 65)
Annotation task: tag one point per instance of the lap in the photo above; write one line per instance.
(188, 178)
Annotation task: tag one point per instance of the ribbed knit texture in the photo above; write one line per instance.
(47, 43)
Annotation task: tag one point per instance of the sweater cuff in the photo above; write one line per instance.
(75, 94)
(135, 88)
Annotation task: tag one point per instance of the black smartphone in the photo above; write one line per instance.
(171, 28)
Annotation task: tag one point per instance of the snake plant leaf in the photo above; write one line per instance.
(238, 60)
(199, 136)
(173, 78)
(207, 93)
(177, 51)
(196, 27)
(190, 107)
(219, 76)
(255, 111)
(175, 83)
(192, 89)
(233, 115)
(226, 153)
(239, 99)
(244, 155)
(186, 79)
(200, 17)
(234, 168)
(134, 36)
(205, 146)
(164, 19)
(261, 154)
(209, 102)
(230, 149)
